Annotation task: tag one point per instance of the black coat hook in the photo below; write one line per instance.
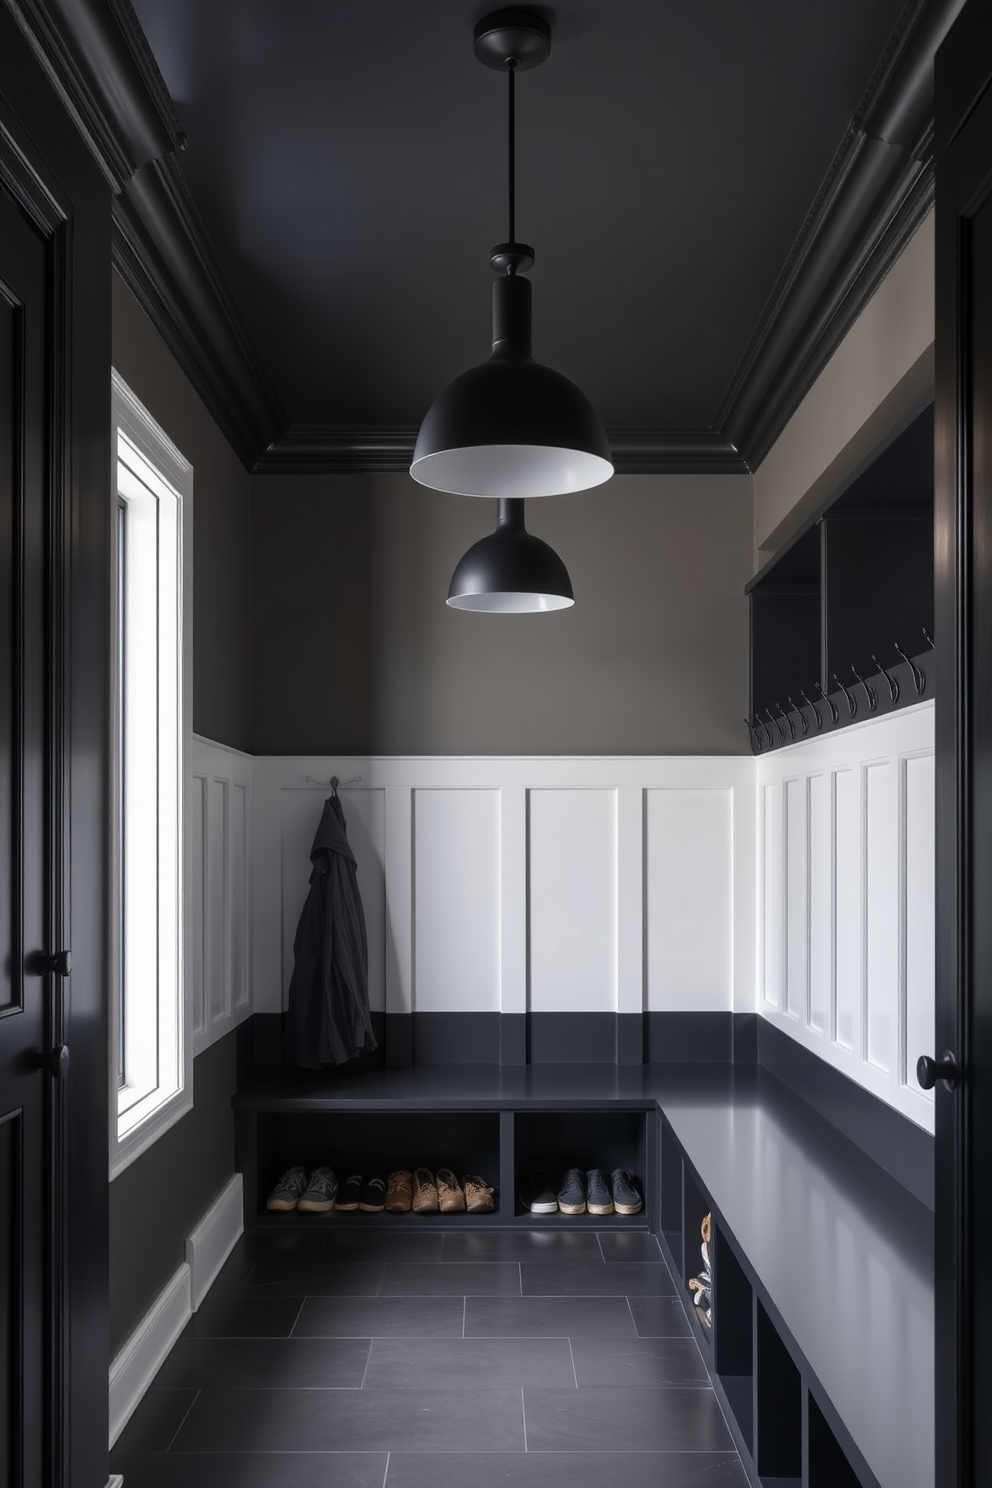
(893, 683)
(754, 734)
(919, 675)
(778, 728)
(927, 637)
(816, 712)
(852, 704)
(802, 717)
(834, 715)
(870, 692)
(782, 714)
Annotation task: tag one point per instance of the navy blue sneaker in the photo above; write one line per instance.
(572, 1194)
(537, 1194)
(626, 1195)
(600, 1192)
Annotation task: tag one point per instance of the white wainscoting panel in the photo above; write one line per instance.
(218, 890)
(689, 895)
(502, 884)
(573, 901)
(456, 844)
(846, 893)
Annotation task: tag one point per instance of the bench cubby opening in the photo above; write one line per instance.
(778, 1433)
(828, 1466)
(733, 1334)
(572, 1138)
(695, 1206)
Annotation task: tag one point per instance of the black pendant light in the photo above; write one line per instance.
(510, 572)
(511, 428)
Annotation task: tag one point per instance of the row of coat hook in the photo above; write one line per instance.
(762, 734)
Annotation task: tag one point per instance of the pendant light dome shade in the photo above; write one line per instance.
(510, 571)
(511, 428)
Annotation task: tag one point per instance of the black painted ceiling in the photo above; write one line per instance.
(348, 162)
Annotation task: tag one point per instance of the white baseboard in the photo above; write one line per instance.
(138, 1362)
(210, 1244)
(144, 1353)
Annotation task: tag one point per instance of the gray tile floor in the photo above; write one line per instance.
(345, 1358)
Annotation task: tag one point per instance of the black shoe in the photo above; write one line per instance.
(626, 1196)
(350, 1193)
(572, 1194)
(373, 1200)
(599, 1199)
(537, 1194)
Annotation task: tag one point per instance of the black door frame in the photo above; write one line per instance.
(963, 616)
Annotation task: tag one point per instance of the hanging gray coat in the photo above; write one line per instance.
(329, 1020)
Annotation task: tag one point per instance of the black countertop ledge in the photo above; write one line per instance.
(844, 1252)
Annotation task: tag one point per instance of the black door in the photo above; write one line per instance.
(29, 1097)
(55, 509)
(963, 553)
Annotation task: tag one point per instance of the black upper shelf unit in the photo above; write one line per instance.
(842, 617)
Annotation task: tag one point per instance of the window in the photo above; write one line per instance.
(150, 1052)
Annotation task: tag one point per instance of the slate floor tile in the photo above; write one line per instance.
(564, 1470)
(273, 1363)
(244, 1317)
(282, 1245)
(586, 1279)
(156, 1420)
(648, 1362)
(520, 1245)
(349, 1421)
(313, 1279)
(659, 1317)
(381, 1245)
(630, 1245)
(252, 1469)
(642, 1420)
(461, 1364)
(481, 1278)
(381, 1317)
(548, 1317)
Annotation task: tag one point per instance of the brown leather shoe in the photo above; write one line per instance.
(424, 1192)
(399, 1192)
(479, 1197)
(450, 1198)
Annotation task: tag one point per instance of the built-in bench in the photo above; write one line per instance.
(821, 1344)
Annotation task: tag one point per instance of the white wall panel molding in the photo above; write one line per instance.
(502, 884)
(845, 900)
(219, 889)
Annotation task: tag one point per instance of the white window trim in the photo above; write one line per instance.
(154, 445)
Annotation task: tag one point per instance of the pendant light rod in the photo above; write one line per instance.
(511, 71)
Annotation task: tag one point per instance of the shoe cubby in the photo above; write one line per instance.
(828, 1464)
(695, 1206)
(376, 1142)
(778, 1426)
(733, 1333)
(557, 1140)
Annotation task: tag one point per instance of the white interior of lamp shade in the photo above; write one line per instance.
(503, 603)
(515, 470)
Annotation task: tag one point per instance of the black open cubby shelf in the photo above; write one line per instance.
(502, 1145)
(768, 1392)
(844, 597)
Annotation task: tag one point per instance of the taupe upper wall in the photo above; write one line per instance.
(221, 524)
(354, 649)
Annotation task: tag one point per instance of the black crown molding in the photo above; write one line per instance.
(162, 251)
(874, 196)
(97, 59)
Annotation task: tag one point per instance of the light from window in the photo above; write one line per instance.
(150, 1047)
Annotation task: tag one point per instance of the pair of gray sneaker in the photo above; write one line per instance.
(596, 1193)
(312, 1193)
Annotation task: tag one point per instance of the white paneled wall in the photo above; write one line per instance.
(846, 900)
(219, 833)
(513, 883)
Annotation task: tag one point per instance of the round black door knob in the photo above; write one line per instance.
(929, 1071)
(60, 962)
(56, 1061)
